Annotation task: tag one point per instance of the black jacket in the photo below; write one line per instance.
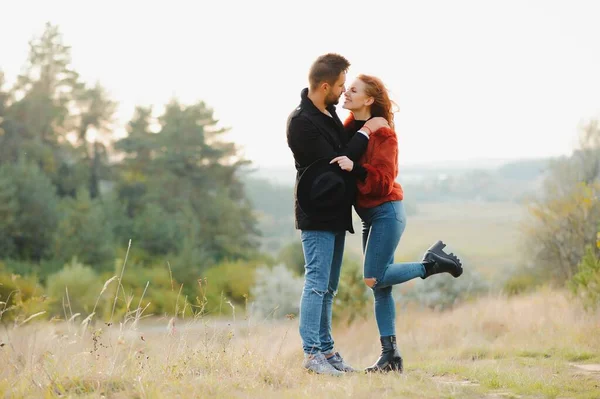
(312, 135)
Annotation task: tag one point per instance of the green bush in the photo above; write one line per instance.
(20, 297)
(228, 281)
(83, 285)
(41, 269)
(521, 282)
(292, 256)
(353, 296)
(561, 226)
(161, 296)
(586, 282)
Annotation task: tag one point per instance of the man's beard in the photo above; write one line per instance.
(332, 99)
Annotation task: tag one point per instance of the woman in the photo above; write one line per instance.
(379, 205)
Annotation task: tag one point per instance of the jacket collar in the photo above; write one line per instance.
(321, 121)
(309, 106)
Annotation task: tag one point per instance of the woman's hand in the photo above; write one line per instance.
(344, 162)
(376, 123)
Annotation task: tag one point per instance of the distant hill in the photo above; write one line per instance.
(510, 181)
(279, 175)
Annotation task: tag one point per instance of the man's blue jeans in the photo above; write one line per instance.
(382, 228)
(323, 252)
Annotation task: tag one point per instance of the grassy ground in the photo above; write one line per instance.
(539, 345)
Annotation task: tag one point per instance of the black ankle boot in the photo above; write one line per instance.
(437, 261)
(390, 359)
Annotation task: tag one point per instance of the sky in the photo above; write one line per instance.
(473, 79)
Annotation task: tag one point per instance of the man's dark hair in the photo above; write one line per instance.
(327, 68)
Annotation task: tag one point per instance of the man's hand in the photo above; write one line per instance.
(376, 123)
(344, 162)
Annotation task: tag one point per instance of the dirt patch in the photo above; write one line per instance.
(501, 395)
(452, 381)
(591, 371)
(588, 368)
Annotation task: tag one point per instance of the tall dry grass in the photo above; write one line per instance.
(528, 346)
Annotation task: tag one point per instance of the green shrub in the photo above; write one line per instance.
(586, 282)
(161, 296)
(20, 297)
(292, 256)
(521, 282)
(83, 285)
(229, 281)
(353, 296)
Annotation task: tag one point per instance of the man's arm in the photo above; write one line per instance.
(356, 146)
(305, 139)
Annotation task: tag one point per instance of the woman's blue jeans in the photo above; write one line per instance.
(323, 251)
(382, 228)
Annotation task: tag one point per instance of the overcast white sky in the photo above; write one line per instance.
(474, 79)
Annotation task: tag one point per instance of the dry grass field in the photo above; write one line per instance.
(542, 345)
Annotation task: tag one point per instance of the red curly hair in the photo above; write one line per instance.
(382, 106)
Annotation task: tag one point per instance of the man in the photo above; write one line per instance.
(315, 132)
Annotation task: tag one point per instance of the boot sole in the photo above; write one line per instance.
(395, 366)
(438, 249)
(386, 369)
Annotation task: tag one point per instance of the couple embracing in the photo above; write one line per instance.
(341, 165)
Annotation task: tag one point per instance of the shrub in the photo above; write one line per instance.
(161, 296)
(521, 282)
(228, 281)
(560, 228)
(20, 297)
(277, 292)
(443, 291)
(353, 295)
(586, 282)
(41, 269)
(83, 285)
(292, 256)
(565, 215)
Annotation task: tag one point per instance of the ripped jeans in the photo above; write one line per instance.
(383, 226)
(323, 252)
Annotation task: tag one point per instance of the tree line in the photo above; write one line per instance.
(70, 188)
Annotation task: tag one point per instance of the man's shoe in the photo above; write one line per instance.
(339, 364)
(437, 261)
(318, 364)
(390, 359)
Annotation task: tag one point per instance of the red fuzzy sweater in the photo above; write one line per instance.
(381, 163)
